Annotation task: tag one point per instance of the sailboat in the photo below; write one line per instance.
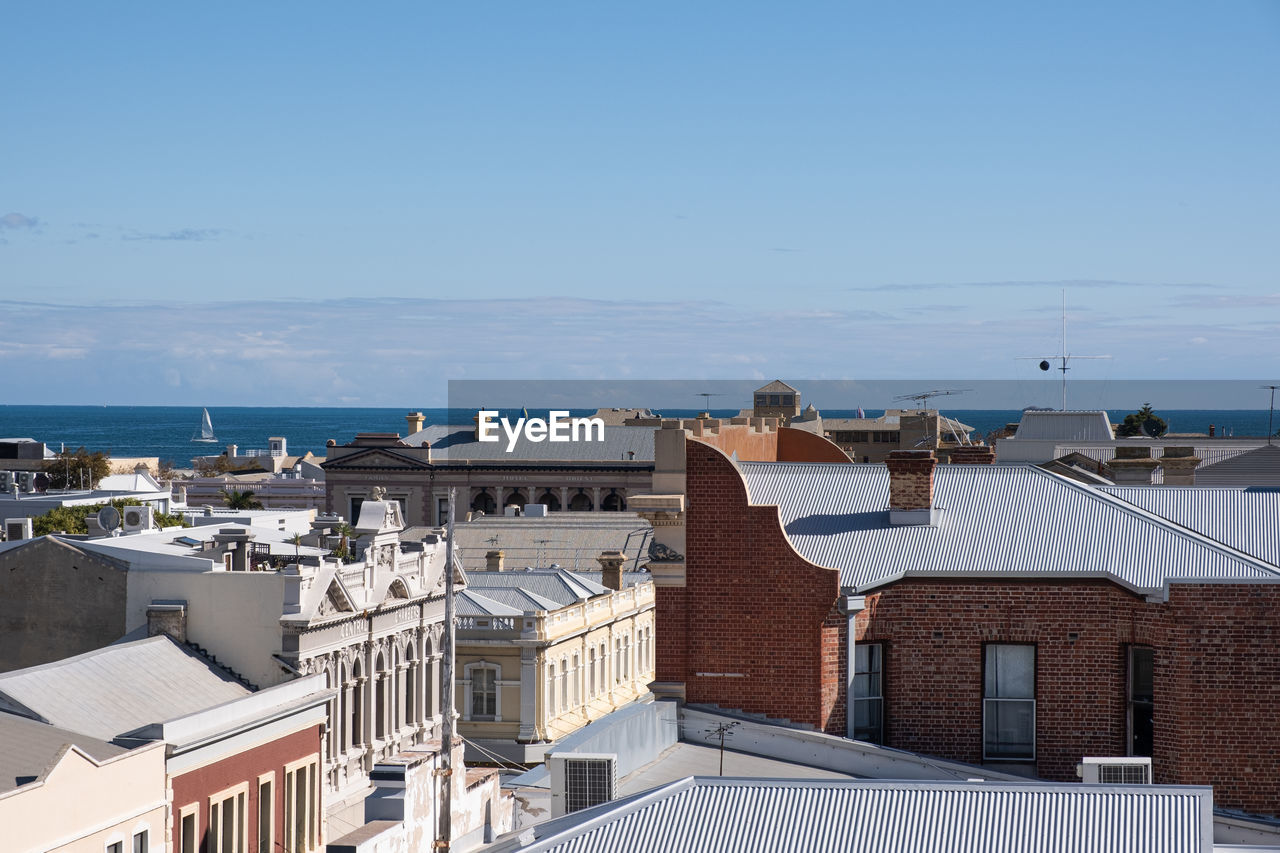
(204, 434)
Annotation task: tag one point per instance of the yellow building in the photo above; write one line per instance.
(542, 652)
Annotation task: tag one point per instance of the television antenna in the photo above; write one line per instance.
(1271, 412)
(1063, 358)
(542, 543)
(706, 400)
(925, 396)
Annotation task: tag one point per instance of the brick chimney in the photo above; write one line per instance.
(493, 561)
(1133, 466)
(611, 563)
(1179, 464)
(973, 454)
(911, 486)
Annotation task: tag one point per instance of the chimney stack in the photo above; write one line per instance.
(973, 454)
(911, 486)
(493, 561)
(416, 421)
(168, 618)
(611, 563)
(1179, 464)
(1133, 466)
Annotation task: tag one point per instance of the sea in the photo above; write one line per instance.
(166, 431)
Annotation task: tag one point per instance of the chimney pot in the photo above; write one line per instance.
(974, 454)
(611, 564)
(493, 560)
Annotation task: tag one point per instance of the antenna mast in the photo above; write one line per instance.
(1064, 357)
(1271, 412)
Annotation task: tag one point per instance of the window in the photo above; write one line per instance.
(551, 692)
(301, 818)
(227, 821)
(1009, 703)
(141, 843)
(577, 682)
(266, 813)
(591, 670)
(187, 839)
(484, 693)
(115, 847)
(868, 692)
(355, 509)
(1141, 700)
(442, 511)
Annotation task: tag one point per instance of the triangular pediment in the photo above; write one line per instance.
(335, 600)
(378, 458)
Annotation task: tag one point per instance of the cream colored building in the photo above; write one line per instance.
(77, 793)
(542, 653)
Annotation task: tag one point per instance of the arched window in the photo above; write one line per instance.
(613, 502)
(411, 677)
(516, 498)
(549, 498)
(357, 701)
(564, 686)
(484, 502)
(551, 690)
(380, 697)
(581, 502)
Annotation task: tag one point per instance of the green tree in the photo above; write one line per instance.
(71, 519)
(241, 500)
(1142, 422)
(77, 469)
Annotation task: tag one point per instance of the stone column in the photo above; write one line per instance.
(595, 499)
(564, 498)
(530, 723)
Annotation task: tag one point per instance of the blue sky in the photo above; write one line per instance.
(668, 190)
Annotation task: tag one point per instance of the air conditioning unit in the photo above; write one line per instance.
(1129, 770)
(6, 480)
(17, 528)
(137, 518)
(27, 481)
(581, 780)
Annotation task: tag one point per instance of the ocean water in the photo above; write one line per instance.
(165, 431)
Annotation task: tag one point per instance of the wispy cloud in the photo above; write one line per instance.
(1238, 300)
(182, 234)
(1030, 285)
(393, 352)
(18, 222)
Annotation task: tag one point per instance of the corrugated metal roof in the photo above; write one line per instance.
(710, 815)
(457, 442)
(28, 748)
(521, 600)
(556, 585)
(1064, 426)
(118, 688)
(1258, 467)
(570, 540)
(992, 520)
(1247, 519)
(1207, 455)
(471, 603)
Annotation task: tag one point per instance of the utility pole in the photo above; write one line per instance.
(445, 831)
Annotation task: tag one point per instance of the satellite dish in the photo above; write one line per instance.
(1151, 428)
(108, 518)
(1044, 365)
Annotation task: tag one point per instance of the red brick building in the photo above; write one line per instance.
(994, 614)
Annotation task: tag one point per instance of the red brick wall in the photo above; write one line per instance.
(752, 607)
(196, 786)
(797, 445)
(751, 611)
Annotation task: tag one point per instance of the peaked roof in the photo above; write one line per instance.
(471, 603)
(711, 814)
(557, 585)
(1064, 426)
(1257, 467)
(1247, 519)
(117, 689)
(31, 749)
(992, 521)
(777, 386)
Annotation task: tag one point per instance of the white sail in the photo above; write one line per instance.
(205, 434)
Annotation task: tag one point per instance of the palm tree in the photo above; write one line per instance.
(297, 546)
(241, 500)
